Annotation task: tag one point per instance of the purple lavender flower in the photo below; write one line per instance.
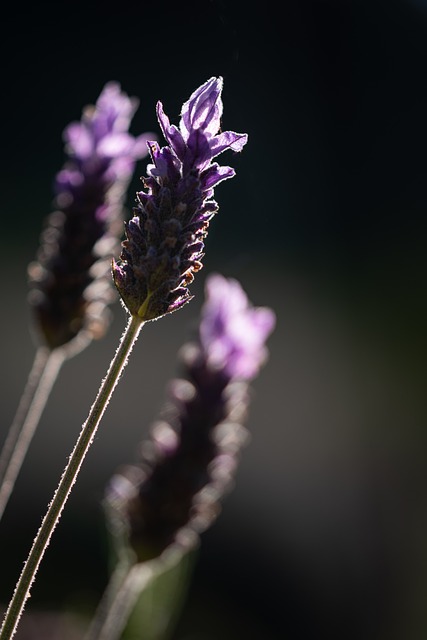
(233, 333)
(70, 282)
(189, 463)
(164, 240)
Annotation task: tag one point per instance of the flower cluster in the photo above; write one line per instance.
(164, 240)
(71, 279)
(173, 493)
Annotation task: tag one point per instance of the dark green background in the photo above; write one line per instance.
(324, 534)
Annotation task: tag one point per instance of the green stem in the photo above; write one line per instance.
(53, 514)
(42, 376)
(125, 587)
(119, 599)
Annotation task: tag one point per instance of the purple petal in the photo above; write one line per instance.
(78, 140)
(199, 152)
(114, 145)
(232, 331)
(228, 140)
(115, 109)
(160, 165)
(215, 174)
(171, 133)
(165, 163)
(141, 144)
(203, 110)
(68, 178)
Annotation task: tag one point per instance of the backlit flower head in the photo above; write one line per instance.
(188, 464)
(232, 332)
(71, 280)
(164, 240)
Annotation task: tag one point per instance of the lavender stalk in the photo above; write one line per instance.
(70, 281)
(43, 374)
(159, 506)
(67, 481)
(161, 252)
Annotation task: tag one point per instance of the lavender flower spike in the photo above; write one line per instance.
(164, 240)
(173, 494)
(70, 281)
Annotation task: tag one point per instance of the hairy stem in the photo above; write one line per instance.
(42, 377)
(53, 514)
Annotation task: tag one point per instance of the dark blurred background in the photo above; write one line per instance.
(324, 534)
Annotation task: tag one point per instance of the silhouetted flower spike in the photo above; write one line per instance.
(70, 282)
(164, 240)
(189, 462)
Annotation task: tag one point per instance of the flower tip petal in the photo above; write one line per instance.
(143, 144)
(240, 142)
(232, 331)
(265, 319)
(215, 84)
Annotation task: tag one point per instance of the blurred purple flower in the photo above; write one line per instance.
(71, 279)
(232, 333)
(164, 240)
(187, 466)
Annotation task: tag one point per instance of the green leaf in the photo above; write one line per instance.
(160, 603)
